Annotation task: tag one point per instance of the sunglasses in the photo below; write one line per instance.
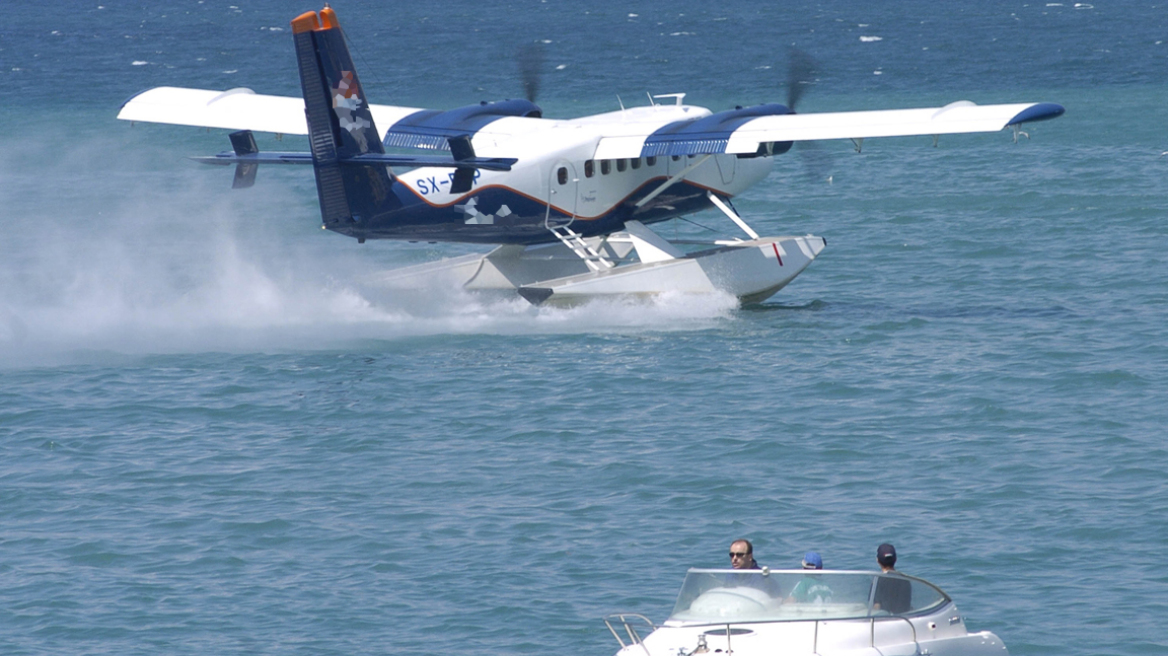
(735, 554)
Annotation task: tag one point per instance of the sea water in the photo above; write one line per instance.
(213, 440)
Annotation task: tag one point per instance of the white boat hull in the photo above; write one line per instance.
(804, 612)
(881, 637)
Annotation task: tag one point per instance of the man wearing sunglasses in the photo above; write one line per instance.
(742, 555)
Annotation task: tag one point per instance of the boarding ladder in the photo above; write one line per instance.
(576, 243)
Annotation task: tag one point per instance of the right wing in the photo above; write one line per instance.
(961, 117)
(744, 131)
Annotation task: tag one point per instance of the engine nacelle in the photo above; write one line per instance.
(433, 128)
(698, 135)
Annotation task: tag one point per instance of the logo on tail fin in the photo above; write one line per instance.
(346, 103)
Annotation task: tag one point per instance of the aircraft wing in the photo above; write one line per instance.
(406, 127)
(235, 109)
(743, 131)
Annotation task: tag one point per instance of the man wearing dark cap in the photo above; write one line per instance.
(893, 593)
(886, 557)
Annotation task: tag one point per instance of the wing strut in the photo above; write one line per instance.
(672, 181)
(729, 211)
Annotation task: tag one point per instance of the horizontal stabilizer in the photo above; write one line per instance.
(485, 163)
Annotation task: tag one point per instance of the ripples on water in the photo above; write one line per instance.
(214, 442)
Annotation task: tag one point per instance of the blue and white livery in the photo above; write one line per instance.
(570, 201)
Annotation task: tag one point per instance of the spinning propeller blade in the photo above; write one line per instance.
(531, 69)
(801, 68)
(800, 74)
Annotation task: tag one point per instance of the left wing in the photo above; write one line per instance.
(743, 131)
(235, 109)
(405, 127)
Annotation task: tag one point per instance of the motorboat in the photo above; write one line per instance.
(797, 612)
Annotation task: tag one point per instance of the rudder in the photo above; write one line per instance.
(340, 126)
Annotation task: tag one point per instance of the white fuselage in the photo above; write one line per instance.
(558, 165)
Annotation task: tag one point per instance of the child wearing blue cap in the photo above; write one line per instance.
(811, 589)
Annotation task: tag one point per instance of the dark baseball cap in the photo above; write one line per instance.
(886, 555)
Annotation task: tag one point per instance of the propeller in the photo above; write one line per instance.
(801, 68)
(800, 74)
(531, 69)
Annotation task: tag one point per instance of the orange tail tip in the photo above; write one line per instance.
(328, 18)
(308, 21)
(305, 22)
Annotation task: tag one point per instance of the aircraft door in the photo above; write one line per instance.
(563, 186)
(588, 190)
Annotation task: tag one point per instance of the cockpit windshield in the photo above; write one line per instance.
(725, 596)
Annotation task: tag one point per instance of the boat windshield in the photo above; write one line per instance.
(718, 596)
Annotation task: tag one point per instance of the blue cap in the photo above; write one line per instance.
(812, 561)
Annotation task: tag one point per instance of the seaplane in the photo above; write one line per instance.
(567, 203)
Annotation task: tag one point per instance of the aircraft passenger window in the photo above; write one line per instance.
(621, 165)
(562, 175)
(651, 161)
(636, 163)
(589, 169)
(605, 167)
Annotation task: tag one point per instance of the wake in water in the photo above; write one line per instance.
(171, 261)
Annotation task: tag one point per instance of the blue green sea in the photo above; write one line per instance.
(214, 440)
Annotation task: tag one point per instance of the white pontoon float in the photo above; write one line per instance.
(633, 262)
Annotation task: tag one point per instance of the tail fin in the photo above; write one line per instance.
(340, 126)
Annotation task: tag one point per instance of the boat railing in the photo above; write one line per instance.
(872, 627)
(628, 622)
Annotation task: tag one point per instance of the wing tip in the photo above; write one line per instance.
(1038, 112)
(127, 101)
